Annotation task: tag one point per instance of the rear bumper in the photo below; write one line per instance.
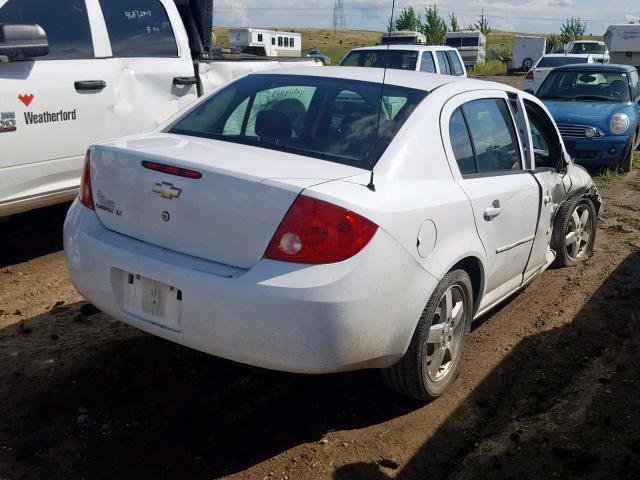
(360, 313)
(602, 152)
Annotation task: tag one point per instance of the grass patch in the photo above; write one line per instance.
(489, 68)
(630, 221)
(636, 159)
(337, 44)
(608, 175)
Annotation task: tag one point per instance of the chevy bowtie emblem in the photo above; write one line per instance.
(166, 190)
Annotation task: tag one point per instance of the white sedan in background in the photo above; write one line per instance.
(546, 63)
(316, 220)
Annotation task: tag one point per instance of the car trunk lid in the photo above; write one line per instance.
(228, 215)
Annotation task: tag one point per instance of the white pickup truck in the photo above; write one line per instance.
(74, 72)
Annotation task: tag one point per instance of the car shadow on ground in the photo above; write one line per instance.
(31, 235)
(564, 404)
(94, 398)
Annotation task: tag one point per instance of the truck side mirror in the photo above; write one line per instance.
(22, 42)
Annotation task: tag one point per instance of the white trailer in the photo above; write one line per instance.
(470, 44)
(526, 51)
(403, 37)
(268, 43)
(623, 41)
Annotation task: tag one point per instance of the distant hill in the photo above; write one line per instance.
(337, 44)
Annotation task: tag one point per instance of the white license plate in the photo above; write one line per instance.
(152, 300)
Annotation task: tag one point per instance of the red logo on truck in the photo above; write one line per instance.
(26, 99)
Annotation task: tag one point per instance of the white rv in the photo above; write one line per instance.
(403, 37)
(623, 41)
(470, 44)
(269, 43)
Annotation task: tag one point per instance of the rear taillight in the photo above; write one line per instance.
(529, 75)
(86, 194)
(314, 231)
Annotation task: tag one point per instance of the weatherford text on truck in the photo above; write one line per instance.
(294, 221)
(73, 72)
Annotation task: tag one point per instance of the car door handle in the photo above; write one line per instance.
(85, 85)
(185, 80)
(491, 213)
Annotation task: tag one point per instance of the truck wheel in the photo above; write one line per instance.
(627, 162)
(574, 232)
(432, 361)
(527, 63)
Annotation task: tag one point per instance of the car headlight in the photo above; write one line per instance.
(618, 123)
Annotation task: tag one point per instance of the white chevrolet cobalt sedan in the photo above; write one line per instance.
(322, 221)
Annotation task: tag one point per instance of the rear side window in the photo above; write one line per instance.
(65, 22)
(426, 63)
(443, 63)
(461, 143)
(139, 28)
(455, 63)
(493, 135)
(546, 62)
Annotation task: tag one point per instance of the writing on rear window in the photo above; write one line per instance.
(134, 14)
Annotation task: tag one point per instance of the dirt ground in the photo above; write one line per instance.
(550, 386)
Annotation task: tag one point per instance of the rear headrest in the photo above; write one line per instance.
(272, 124)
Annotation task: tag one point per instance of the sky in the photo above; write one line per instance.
(528, 16)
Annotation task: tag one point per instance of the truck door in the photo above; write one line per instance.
(59, 103)
(150, 49)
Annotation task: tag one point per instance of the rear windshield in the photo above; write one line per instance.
(559, 61)
(398, 59)
(590, 86)
(343, 121)
(587, 48)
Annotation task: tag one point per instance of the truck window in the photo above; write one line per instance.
(426, 63)
(454, 62)
(65, 22)
(139, 28)
(443, 63)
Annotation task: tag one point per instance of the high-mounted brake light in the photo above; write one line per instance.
(529, 75)
(314, 231)
(86, 193)
(171, 170)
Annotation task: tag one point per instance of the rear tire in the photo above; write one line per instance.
(432, 361)
(574, 232)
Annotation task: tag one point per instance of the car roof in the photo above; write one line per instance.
(597, 67)
(402, 78)
(569, 55)
(408, 46)
(588, 41)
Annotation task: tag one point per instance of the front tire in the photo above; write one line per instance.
(574, 232)
(627, 162)
(432, 361)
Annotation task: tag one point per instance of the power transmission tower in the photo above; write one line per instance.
(338, 16)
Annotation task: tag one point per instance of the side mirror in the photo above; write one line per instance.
(22, 42)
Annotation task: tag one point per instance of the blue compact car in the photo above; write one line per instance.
(597, 109)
